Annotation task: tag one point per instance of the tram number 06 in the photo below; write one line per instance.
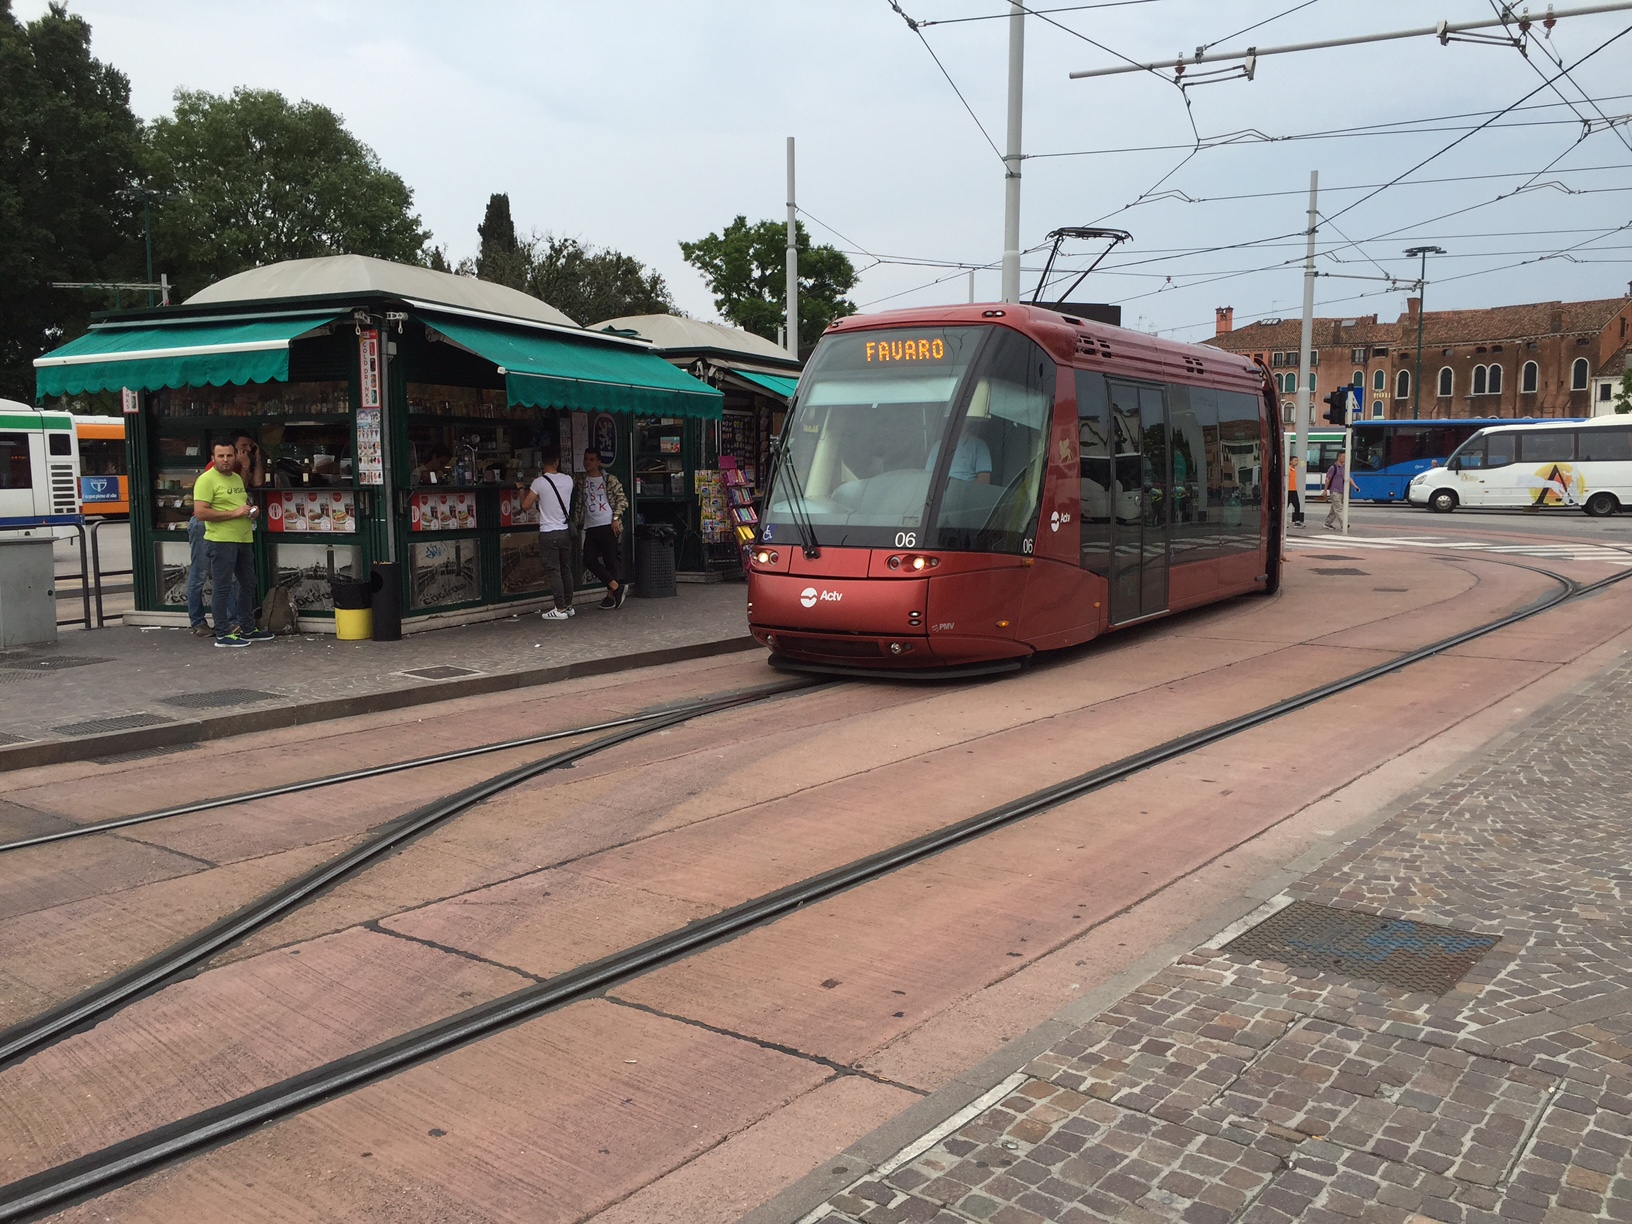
(1026, 546)
(906, 539)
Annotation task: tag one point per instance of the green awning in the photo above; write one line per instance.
(150, 357)
(545, 370)
(776, 384)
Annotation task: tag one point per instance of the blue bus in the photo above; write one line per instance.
(1387, 454)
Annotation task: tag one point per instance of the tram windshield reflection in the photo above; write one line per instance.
(880, 426)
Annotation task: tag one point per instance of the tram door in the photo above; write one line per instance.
(1141, 525)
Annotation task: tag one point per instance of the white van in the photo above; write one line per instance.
(1584, 465)
(39, 471)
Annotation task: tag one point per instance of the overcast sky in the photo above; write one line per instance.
(637, 124)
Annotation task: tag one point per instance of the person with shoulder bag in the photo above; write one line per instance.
(554, 493)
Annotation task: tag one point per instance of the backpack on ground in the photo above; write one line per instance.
(278, 612)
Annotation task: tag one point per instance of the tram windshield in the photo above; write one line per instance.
(944, 448)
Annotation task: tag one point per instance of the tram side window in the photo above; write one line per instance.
(1094, 455)
(1004, 432)
(1191, 410)
(1241, 460)
(1606, 445)
(1550, 446)
(15, 471)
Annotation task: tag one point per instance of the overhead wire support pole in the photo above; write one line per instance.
(793, 262)
(1011, 153)
(1306, 336)
(1443, 31)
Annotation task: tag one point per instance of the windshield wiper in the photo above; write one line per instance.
(796, 505)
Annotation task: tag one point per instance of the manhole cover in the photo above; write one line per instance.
(220, 697)
(122, 722)
(6, 737)
(442, 671)
(25, 663)
(1410, 955)
(142, 754)
(1338, 570)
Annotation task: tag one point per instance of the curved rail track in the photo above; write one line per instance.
(97, 1172)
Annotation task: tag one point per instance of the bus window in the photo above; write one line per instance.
(1369, 447)
(101, 457)
(1498, 449)
(1550, 446)
(15, 469)
(1606, 445)
(60, 444)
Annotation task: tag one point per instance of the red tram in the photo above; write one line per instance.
(963, 486)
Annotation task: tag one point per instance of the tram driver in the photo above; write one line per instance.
(971, 459)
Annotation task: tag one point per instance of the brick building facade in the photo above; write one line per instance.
(1548, 359)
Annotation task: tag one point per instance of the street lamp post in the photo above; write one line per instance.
(1422, 282)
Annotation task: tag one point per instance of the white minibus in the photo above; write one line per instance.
(1585, 465)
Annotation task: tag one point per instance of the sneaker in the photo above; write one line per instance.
(232, 641)
(202, 630)
(257, 635)
(557, 614)
(623, 594)
(610, 602)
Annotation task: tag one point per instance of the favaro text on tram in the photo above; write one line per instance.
(963, 486)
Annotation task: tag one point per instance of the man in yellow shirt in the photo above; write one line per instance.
(221, 502)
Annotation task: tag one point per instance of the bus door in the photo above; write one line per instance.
(1141, 524)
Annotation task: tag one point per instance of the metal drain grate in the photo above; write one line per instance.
(1392, 590)
(1339, 571)
(1410, 955)
(6, 737)
(1329, 557)
(219, 697)
(13, 677)
(142, 754)
(442, 671)
(121, 722)
(37, 663)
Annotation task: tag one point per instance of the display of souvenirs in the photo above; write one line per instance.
(332, 510)
(442, 512)
(445, 572)
(467, 403)
(302, 399)
(510, 512)
(714, 520)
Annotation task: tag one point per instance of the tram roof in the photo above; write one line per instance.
(1116, 349)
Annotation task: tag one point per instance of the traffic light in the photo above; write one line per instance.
(1337, 407)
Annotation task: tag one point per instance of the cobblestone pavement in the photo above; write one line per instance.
(1230, 1089)
(124, 672)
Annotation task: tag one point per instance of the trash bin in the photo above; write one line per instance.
(654, 562)
(386, 603)
(353, 615)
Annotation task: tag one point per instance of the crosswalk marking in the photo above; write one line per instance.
(1601, 554)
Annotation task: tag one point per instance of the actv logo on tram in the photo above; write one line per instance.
(810, 595)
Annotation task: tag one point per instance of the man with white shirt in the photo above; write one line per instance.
(600, 509)
(971, 459)
(552, 493)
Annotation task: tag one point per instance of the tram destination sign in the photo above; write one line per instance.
(908, 348)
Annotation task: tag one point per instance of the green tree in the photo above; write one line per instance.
(253, 179)
(746, 267)
(1623, 394)
(501, 258)
(590, 284)
(68, 156)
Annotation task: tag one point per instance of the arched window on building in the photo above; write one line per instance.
(1578, 374)
(1402, 385)
(1529, 377)
(1289, 414)
(1379, 381)
(1478, 380)
(1447, 381)
(1494, 383)
(1377, 409)
(1359, 379)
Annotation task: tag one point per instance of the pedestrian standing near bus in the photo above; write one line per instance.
(553, 493)
(248, 464)
(1338, 484)
(599, 511)
(221, 502)
(1294, 494)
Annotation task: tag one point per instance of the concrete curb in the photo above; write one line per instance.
(195, 730)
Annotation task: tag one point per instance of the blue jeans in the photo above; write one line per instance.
(198, 565)
(232, 573)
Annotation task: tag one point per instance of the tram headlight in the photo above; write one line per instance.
(912, 561)
(765, 556)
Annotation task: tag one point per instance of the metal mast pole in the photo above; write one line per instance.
(793, 262)
(1422, 301)
(1306, 338)
(1011, 158)
(147, 230)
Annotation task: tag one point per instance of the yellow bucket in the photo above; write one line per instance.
(354, 624)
